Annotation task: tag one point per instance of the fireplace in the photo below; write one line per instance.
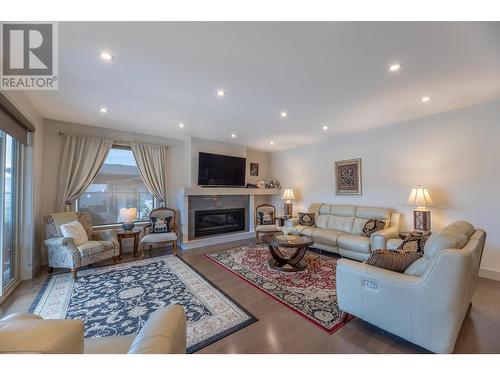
(212, 222)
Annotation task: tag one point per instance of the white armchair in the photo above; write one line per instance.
(428, 303)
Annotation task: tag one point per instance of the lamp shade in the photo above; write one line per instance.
(288, 195)
(419, 197)
(127, 215)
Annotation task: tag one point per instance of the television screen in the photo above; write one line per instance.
(221, 170)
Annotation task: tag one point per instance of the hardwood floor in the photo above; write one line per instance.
(280, 330)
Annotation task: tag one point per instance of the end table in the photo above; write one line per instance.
(134, 233)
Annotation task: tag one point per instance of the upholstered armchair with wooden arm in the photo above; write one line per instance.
(64, 253)
(164, 232)
(261, 226)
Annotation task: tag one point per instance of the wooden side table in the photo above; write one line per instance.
(403, 235)
(134, 233)
(283, 219)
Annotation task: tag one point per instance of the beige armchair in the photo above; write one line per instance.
(63, 252)
(265, 228)
(427, 303)
(23, 333)
(151, 239)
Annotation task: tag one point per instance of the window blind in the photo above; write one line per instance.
(13, 122)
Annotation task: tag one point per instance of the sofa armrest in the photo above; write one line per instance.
(63, 252)
(163, 333)
(379, 239)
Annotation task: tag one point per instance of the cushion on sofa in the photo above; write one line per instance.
(90, 248)
(351, 242)
(327, 236)
(75, 230)
(306, 218)
(392, 260)
(414, 242)
(371, 226)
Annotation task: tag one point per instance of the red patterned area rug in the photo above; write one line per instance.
(311, 293)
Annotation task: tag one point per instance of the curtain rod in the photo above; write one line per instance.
(115, 142)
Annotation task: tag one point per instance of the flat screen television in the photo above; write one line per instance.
(221, 170)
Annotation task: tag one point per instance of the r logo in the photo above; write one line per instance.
(27, 49)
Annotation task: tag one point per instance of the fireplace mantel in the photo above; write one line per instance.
(227, 191)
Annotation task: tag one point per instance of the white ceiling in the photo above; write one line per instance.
(331, 73)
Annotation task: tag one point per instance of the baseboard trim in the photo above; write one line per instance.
(489, 274)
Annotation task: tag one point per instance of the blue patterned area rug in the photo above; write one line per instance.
(117, 300)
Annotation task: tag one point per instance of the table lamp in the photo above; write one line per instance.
(127, 216)
(420, 199)
(288, 197)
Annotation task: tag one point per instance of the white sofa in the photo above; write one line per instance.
(338, 229)
(428, 302)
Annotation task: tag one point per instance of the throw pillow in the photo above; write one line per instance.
(397, 261)
(414, 242)
(371, 226)
(76, 231)
(265, 218)
(160, 224)
(306, 219)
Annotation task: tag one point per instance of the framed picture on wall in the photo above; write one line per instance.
(348, 177)
(254, 169)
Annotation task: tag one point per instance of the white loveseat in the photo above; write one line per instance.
(338, 229)
(428, 302)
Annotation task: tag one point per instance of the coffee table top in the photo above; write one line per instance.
(279, 239)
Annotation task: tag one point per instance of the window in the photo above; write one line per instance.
(117, 185)
(8, 153)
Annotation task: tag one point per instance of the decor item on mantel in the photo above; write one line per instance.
(348, 177)
(261, 184)
(127, 216)
(420, 198)
(288, 197)
(254, 169)
(273, 183)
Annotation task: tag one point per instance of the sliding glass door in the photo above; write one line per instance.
(8, 177)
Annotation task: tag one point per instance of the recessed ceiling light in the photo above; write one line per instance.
(233, 135)
(271, 143)
(181, 125)
(395, 67)
(106, 56)
(284, 114)
(425, 98)
(325, 127)
(221, 93)
(103, 110)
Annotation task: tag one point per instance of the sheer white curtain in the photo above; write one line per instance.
(82, 158)
(152, 161)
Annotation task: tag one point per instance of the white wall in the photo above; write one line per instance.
(52, 157)
(455, 154)
(30, 259)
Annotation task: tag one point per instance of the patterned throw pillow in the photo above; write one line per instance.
(397, 261)
(75, 230)
(265, 218)
(371, 226)
(306, 219)
(160, 224)
(414, 243)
